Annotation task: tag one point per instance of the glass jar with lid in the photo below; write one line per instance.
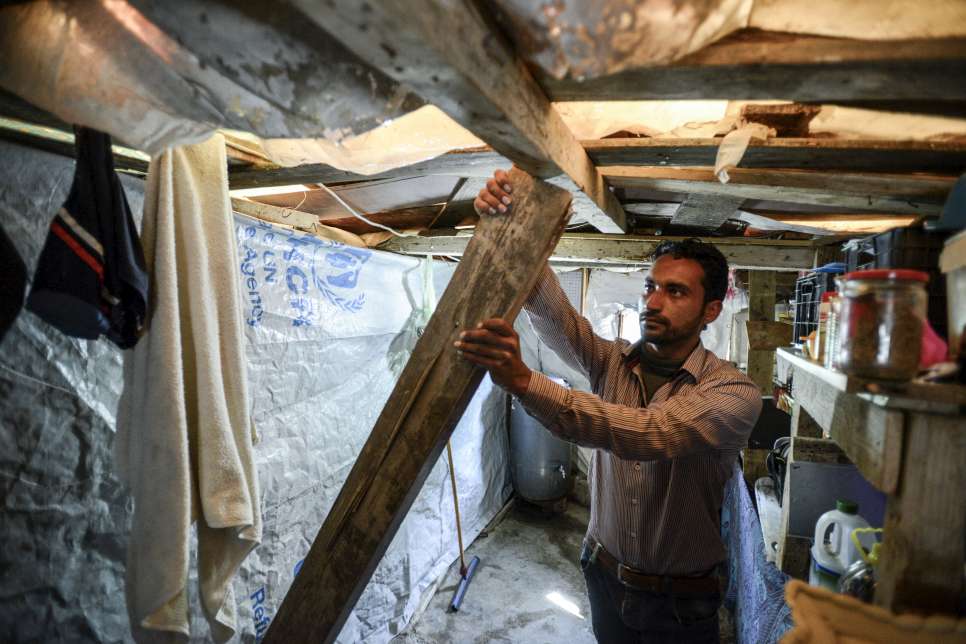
(880, 324)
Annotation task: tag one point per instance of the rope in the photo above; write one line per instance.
(24, 376)
(358, 215)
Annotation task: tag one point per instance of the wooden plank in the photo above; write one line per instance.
(498, 271)
(761, 369)
(417, 218)
(755, 64)
(761, 308)
(856, 224)
(595, 249)
(807, 222)
(767, 334)
(900, 395)
(868, 192)
(941, 157)
(922, 551)
(295, 219)
(653, 209)
(479, 163)
(870, 434)
(818, 450)
(706, 211)
(802, 423)
(761, 296)
(753, 464)
(450, 55)
(794, 556)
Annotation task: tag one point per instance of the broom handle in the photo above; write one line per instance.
(456, 505)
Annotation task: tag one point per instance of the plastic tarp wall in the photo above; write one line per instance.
(65, 518)
(324, 321)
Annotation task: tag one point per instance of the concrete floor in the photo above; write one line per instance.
(527, 580)
(526, 589)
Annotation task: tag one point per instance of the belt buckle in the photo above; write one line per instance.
(594, 552)
(620, 575)
(628, 581)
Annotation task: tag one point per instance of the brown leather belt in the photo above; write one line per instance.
(638, 580)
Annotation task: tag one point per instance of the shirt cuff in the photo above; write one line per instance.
(544, 399)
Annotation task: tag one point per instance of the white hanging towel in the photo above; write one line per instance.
(184, 430)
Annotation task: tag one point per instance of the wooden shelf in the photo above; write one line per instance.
(914, 395)
(908, 441)
(869, 432)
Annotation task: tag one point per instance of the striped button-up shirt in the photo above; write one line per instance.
(661, 462)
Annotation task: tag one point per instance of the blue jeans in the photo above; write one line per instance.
(623, 615)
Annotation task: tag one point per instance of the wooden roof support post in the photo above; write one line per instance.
(761, 308)
(922, 543)
(448, 53)
(500, 267)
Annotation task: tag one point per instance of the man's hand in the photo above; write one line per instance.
(495, 197)
(494, 344)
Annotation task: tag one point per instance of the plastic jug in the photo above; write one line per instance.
(833, 550)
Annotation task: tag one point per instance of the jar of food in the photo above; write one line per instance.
(880, 324)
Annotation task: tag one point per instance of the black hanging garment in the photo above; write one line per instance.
(13, 283)
(90, 278)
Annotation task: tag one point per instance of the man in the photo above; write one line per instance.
(667, 419)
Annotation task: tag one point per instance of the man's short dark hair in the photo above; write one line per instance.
(713, 263)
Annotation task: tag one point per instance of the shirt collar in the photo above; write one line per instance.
(693, 364)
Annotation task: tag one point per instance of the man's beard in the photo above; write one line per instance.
(666, 334)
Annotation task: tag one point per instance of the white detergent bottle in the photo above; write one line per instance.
(833, 550)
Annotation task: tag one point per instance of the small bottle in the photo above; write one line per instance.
(832, 330)
(822, 329)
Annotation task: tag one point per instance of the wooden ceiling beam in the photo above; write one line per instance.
(450, 55)
(796, 153)
(898, 194)
(590, 249)
(753, 64)
(941, 157)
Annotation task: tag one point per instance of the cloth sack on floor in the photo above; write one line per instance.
(184, 440)
(824, 617)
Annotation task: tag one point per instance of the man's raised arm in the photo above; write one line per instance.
(555, 319)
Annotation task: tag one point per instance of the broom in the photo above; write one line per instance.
(466, 572)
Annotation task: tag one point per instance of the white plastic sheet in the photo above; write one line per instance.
(323, 320)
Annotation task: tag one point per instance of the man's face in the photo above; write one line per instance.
(672, 307)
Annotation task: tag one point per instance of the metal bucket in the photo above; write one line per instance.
(540, 463)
